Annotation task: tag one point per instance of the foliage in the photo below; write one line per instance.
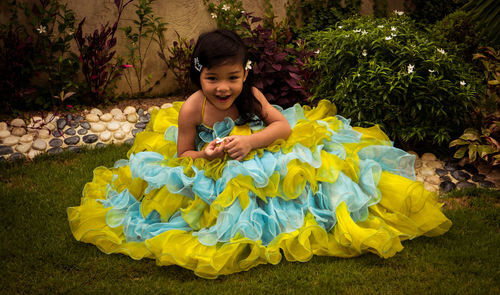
(278, 61)
(96, 56)
(485, 140)
(36, 55)
(311, 15)
(457, 33)
(178, 61)
(16, 65)
(387, 72)
(425, 12)
(484, 13)
(139, 42)
(380, 8)
(484, 144)
(229, 14)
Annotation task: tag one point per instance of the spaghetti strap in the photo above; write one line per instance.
(203, 109)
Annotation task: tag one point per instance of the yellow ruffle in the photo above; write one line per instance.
(406, 210)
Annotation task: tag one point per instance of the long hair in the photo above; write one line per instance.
(220, 47)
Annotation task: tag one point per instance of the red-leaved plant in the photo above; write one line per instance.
(278, 63)
(96, 56)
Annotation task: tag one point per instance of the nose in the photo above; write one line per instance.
(222, 87)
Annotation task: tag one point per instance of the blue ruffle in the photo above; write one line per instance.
(260, 220)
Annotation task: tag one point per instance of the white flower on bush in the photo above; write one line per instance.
(340, 27)
(42, 29)
(440, 50)
(213, 15)
(462, 83)
(364, 32)
(410, 68)
(380, 26)
(388, 38)
(316, 52)
(364, 53)
(431, 71)
(225, 7)
(357, 30)
(398, 12)
(347, 36)
(393, 35)
(393, 29)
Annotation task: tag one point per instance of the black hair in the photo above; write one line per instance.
(217, 48)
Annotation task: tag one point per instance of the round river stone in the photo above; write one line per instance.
(85, 125)
(82, 131)
(441, 172)
(460, 175)
(61, 123)
(5, 150)
(54, 150)
(447, 186)
(72, 140)
(465, 184)
(90, 138)
(55, 142)
(17, 156)
(70, 131)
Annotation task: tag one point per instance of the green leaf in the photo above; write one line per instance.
(472, 136)
(460, 153)
(458, 142)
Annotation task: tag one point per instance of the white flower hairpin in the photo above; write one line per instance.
(248, 66)
(197, 65)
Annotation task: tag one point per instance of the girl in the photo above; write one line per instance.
(208, 187)
(219, 69)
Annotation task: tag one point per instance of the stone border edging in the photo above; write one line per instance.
(54, 134)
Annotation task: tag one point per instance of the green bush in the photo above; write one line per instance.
(387, 72)
(426, 12)
(457, 33)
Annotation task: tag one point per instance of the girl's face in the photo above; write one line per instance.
(222, 84)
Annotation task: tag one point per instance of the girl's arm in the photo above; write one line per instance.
(190, 110)
(277, 128)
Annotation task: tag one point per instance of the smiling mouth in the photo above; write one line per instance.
(223, 98)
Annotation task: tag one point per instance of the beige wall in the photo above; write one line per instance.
(188, 17)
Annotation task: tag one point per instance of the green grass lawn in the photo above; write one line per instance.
(38, 254)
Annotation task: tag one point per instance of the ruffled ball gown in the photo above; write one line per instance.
(329, 189)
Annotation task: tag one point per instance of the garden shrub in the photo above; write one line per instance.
(37, 64)
(482, 140)
(312, 15)
(277, 62)
(97, 56)
(457, 33)
(139, 37)
(484, 13)
(277, 58)
(387, 72)
(427, 12)
(178, 61)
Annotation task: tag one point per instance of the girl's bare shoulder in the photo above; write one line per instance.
(192, 107)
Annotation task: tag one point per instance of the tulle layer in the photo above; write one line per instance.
(329, 189)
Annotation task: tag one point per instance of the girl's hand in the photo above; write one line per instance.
(215, 149)
(238, 146)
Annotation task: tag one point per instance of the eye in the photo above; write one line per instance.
(210, 78)
(234, 77)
